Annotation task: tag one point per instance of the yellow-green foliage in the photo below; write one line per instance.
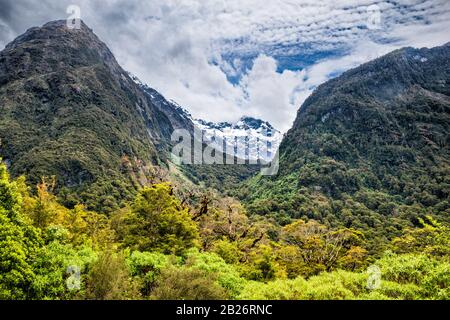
(431, 275)
(312, 248)
(402, 277)
(431, 237)
(19, 242)
(53, 268)
(227, 275)
(290, 289)
(157, 221)
(151, 250)
(187, 284)
(227, 250)
(110, 279)
(146, 267)
(262, 265)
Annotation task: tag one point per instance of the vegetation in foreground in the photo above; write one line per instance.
(161, 246)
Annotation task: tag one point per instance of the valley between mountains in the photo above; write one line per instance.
(87, 180)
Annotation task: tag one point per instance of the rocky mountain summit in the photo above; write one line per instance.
(69, 110)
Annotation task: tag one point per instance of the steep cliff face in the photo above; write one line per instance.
(179, 117)
(369, 148)
(68, 109)
(392, 112)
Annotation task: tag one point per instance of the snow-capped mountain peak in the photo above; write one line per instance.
(248, 138)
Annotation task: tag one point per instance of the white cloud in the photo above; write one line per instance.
(171, 44)
(269, 94)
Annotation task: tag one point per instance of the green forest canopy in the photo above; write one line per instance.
(158, 247)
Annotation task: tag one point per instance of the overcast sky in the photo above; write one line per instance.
(222, 59)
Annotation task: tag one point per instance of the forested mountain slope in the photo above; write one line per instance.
(68, 109)
(355, 212)
(369, 149)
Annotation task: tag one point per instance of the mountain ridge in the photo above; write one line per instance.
(256, 131)
(68, 109)
(368, 148)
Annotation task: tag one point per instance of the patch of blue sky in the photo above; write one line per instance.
(292, 57)
(302, 60)
(235, 65)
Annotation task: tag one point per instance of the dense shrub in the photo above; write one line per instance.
(187, 284)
